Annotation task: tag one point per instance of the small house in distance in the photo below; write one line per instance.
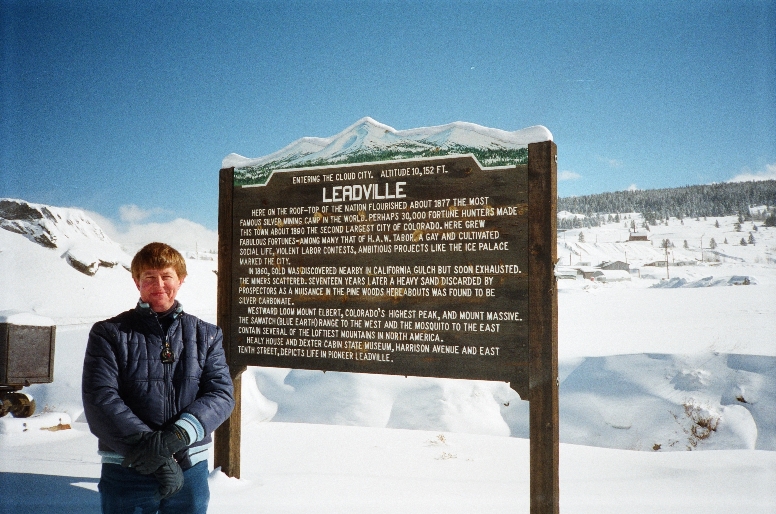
(612, 276)
(614, 271)
(565, 273)
(615, 265)
(637, 236)
(600, 275)
(588, 272)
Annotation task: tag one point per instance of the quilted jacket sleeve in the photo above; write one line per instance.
(215, 398)
(109, 418)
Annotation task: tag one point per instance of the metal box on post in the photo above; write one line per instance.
(26, 358)
(26, 354)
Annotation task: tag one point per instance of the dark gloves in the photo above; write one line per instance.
(170, 478)
(150, 450)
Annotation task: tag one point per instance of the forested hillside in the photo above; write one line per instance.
(690, 201)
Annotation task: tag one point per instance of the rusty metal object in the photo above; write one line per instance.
(26, 358)
(19, 405)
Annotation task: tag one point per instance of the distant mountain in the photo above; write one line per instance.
(86, 247)
(370, 141)
(724, 199)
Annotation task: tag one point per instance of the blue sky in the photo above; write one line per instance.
(126, 109)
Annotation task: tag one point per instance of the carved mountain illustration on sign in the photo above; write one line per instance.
(370, 141)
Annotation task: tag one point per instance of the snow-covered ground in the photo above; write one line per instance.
(660, 370)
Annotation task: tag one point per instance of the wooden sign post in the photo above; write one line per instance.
(433, 267)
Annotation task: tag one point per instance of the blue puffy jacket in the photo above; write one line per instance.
(127, 389)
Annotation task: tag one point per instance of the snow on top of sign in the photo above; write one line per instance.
(14, 317)
(370, 135)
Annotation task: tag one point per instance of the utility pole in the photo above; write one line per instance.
(702, 246)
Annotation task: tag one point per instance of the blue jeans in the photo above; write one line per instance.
(125, 491)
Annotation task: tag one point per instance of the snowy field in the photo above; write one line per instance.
(668, 396)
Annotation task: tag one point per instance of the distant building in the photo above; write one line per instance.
(615, 265)
(637, 236)
(612, 276)
(565, 273)
(599, 275)
(587, 272)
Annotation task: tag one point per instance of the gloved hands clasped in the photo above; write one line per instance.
(170, 478)
(152, 449)
(152, 452)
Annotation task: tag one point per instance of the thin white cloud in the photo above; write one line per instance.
(181, 234)
(568, 175)
(612, 163)
(748, 176)
(133, 214)
(633, 187)
(104, 223)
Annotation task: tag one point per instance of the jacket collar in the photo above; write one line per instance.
(144, 309)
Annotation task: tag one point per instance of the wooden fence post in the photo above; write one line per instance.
(227, 437)
(543, 337)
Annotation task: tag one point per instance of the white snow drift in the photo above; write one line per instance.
(660, 370)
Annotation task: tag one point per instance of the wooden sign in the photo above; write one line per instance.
(413, 267)
(433, 267)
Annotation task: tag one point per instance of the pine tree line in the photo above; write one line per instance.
(725, 199)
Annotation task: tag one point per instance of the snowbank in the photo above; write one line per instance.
(662, 370)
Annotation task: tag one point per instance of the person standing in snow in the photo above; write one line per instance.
(155, 385)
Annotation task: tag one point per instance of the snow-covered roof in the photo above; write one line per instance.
(25, 318)
(612, 275)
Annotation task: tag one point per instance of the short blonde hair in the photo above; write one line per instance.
(158, 256)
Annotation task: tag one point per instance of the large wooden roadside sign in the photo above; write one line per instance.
(432, 266)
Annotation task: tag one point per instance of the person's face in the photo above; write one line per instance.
(158, 288)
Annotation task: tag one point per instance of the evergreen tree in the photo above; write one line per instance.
(716, 223)
(686, 246)
(737, 226)
(712, 244)
(751, 238)
(581, 237)
(743, 242)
